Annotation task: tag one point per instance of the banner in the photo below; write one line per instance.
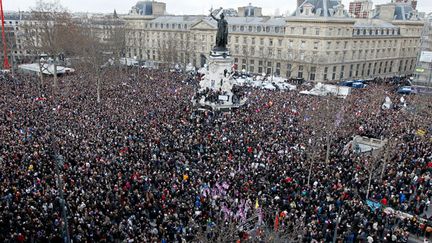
(373, 205)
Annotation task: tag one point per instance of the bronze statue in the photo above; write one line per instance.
(222, 33)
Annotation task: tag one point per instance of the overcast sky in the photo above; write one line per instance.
(181, 6)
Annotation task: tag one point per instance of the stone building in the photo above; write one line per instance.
(413, 3)
(14, 37)
(318, 42)
(423, 70)
(360, 8)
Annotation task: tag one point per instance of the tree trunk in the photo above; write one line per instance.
(310, 172)
(369, 184)
(41, 78)
(338, 217)
(328, 148)
(98, 88)
(55, 74)
(385, 163)
(12, 64)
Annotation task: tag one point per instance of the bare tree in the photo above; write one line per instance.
(186, 48)
(50, 31)
(168, 51)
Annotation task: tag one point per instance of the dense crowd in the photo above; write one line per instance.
(143, 165)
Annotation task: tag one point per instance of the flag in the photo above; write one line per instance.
(256, 204)
(339, 118)
(421, 132)
(276, 223)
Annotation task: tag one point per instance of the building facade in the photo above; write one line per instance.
(305, 45)
(360, 8)
(413, 3)
(423, 70)
(17, 52)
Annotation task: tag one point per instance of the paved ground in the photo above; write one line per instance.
(412, 239)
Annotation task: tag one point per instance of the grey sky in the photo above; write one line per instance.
(181, 6)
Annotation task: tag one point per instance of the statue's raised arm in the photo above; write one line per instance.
(211, 14)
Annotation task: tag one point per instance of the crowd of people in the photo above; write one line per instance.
(214, 96)
(144, 166)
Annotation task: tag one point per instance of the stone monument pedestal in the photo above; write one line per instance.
(218, 74)
(218, 83)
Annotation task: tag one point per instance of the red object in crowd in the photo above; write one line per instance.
(5, 59)
(40, 99)
(429, 165)
(20, 237)
(249, 149)
(384, 201)
(276, 223)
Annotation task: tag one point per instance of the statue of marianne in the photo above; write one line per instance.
(222, 33)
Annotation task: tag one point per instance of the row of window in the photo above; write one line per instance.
(167, 26)
(374, 31)
(257, 29)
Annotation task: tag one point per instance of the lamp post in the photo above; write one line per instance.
(138, 65)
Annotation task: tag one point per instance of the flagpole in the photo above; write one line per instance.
(5, 56)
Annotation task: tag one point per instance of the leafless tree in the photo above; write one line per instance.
(186, 45)
(168, 52)
(50, 31)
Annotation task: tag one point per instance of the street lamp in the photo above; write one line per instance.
(138, 65)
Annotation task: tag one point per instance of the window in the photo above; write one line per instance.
(302, 45)
(288, 72)
(270, 42)
(242, 28)
(300, 72)
(278, 66)
(304, 31)
(312, 73)
(342, 74)
(325, 73)
(261, 41)
(316, 45)
(328, 44)
(317, 31)
(280, 42)
(253, 40)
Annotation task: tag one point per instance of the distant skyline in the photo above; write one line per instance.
(181, 7)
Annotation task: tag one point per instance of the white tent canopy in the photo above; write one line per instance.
(47, 69)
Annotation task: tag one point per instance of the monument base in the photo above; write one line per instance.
(216, 87)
